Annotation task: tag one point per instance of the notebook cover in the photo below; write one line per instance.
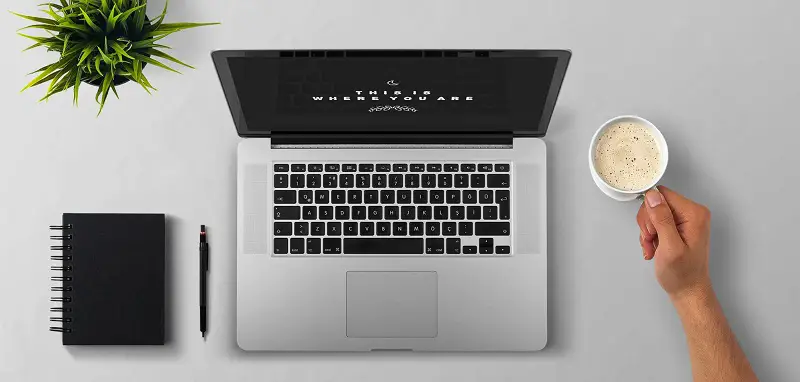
(117, 287)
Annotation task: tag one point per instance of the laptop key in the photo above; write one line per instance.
(296, 246)
(470, 249)
(280, 246)
(453, 197)
(408, 212)
(371, 197)
(412, 180)
(449, 229)
(451, 167)
(375, 213)
(499, 181)
(489, 213)
(287, 213)
(362, 180)
(383, 229)
(281, 181)
(354, 197)
(434, 167)
(465, 229)
(502, 250)
(440, 213)
(391, 213)
(416, 229)
(461, 181)
(432, 228)
(396, 181)
(387, 197)
(310, 213)
(424, 213)
(321, 196)
(445, 180)
(428, 181)
(470, 197)
(367, 228)
(329, 181)
(366, 168)
(474, 213)
(283, 229)
(383, 168)
(485, 242)
(485, 167)
(437, 196)
(465, 167)
(350, 229)
(334, 229)
(317, 229)
(331, 246)
(404, 197)
(457, 212)
(420, 197)
(478, 180)
(485, 250)
(331, 168)
(493, 229)
(297, 181)
(281, 168)
(301, 229)
(502, 167)
(383, 246)
(434, 246)
(453, 246)
(325, 213)
(315, 168)
(298, 168)
(285, 197)
(342, 213)
(306, 197)
(349, 168)
(485, 197)
(379, 181)
(417, 167)
(338, 197)
(400, 228)
(346, 181)
(400, 167)
(313, 246)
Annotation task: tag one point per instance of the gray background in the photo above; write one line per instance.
(720, 78)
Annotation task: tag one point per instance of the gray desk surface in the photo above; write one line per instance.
(719, 77)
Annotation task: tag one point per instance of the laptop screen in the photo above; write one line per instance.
(391, 91)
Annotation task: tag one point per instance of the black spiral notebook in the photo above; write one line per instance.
(111, 279)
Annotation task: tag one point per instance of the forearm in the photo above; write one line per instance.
(713, 350)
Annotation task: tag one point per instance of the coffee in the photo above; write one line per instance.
(627, 156)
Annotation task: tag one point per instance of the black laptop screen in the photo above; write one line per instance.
(362, 91)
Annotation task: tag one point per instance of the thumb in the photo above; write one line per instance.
(661, 216)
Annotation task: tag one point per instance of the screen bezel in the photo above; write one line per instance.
(220, 59)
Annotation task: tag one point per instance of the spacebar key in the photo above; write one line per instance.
(383, 246)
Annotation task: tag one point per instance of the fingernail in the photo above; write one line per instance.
(653, 197)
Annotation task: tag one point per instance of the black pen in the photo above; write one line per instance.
(203, 279)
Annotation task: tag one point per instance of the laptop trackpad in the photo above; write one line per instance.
(392, 304)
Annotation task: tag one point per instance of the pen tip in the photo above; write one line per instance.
(203, 228)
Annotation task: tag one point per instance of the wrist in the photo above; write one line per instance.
(700, 293)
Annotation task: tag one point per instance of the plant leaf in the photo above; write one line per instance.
(158, 53)
(35, 19)
(153, 62)
(75, 90)
(107, 82)
(119, 49)
(90, 23)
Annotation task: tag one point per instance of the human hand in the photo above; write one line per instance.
(675, 232)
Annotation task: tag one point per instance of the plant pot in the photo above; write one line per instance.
(117, 80)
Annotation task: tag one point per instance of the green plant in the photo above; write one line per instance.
(101, 42)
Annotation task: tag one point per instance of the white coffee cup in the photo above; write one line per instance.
(616, 193)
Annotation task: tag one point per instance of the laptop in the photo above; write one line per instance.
(391, 200)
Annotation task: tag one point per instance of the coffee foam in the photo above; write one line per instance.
(627, 156)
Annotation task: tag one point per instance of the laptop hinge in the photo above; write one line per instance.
(493, 139)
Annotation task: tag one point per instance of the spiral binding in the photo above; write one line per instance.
(65, 287)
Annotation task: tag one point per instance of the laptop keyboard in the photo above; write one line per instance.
(399, 208)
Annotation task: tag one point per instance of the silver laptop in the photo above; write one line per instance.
(392, 200)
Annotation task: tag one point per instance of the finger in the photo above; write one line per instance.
(648, 249)
(681, 206)
(644, 222)
(661, 216)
